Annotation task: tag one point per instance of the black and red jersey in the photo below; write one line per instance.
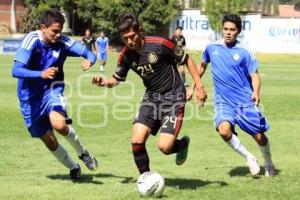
(155, 63)
(178, 40)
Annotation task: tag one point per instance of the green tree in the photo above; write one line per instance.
(35, 8)
(103, 14)
(215, 9)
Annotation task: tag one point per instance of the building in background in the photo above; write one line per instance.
(281, 8)
(11, 13)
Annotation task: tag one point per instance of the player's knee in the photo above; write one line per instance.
(164, 148)
(225, 131)
(261, 139)
(62, 128)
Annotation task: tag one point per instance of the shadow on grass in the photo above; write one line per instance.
(244, 171)
(89, 178)
(192, 184)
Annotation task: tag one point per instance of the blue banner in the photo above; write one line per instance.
(11, 45)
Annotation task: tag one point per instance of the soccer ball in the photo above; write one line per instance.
(150, 184)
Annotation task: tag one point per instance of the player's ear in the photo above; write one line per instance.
(42, 26)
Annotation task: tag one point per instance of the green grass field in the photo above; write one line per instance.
(103, 120)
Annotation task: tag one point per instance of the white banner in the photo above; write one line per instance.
(260, 34)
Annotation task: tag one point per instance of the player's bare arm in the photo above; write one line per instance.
(256, 87)
(110, 83)
(50, 73)
(201, 69)
(198, 85)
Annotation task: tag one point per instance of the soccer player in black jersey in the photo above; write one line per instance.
(155, 60)
(179, 40)
(88, 40)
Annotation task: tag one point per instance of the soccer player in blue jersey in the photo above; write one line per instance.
(102, 47)
(155, 60)
(237, 93)
(39, 68)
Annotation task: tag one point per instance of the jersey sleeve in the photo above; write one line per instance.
(205, 56)
(174, 51)
(28, 44)
(77, 49)
(73, 48)
(122, 68)
(251, 63)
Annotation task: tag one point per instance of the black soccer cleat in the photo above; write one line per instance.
(68, 120)
(90, 162)
(75, 173)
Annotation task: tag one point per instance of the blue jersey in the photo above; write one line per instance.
(102, 43)
(231, 69)
(36, 56)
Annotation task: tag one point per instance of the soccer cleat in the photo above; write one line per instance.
(254, 168)
(101, 69)
(90, 162)
(270, 170)
(68, 120)
(182, 155)
(75, 173)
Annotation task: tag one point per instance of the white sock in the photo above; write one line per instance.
(266, 153)
(237, 146)
(73, 139)
(62, 156)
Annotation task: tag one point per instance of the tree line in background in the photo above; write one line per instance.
(102, 14)
(155, 15)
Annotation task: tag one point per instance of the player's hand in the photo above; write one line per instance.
(97, 80)
(50, 73)
(86, 65)
(255, 98)
(201, 96)
(189, 94)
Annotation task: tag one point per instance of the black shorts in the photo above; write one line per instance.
(166, 116)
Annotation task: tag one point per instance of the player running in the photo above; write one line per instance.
(39, 68)
(237, 87)
(155, 60)
(102, 48)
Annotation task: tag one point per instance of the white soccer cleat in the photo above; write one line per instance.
(252, 163)
(270, 170)
(101, 68)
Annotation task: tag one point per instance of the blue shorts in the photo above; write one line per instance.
(249, 119)
(36, 112)
(102, 56)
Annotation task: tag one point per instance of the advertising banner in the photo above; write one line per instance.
(260, 34)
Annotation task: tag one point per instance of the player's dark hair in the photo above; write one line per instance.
(126, 21)
(52, 16)
(234, 19)
(179, 27)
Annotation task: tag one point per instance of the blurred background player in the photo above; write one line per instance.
(102, 48)
(39, 68)
(179, 40)
(237, 93)
(88, 40)
(155, 60)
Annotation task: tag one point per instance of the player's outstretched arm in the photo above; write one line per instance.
(198, 85)
(20, 70)
(110, 83)
(201, 69)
